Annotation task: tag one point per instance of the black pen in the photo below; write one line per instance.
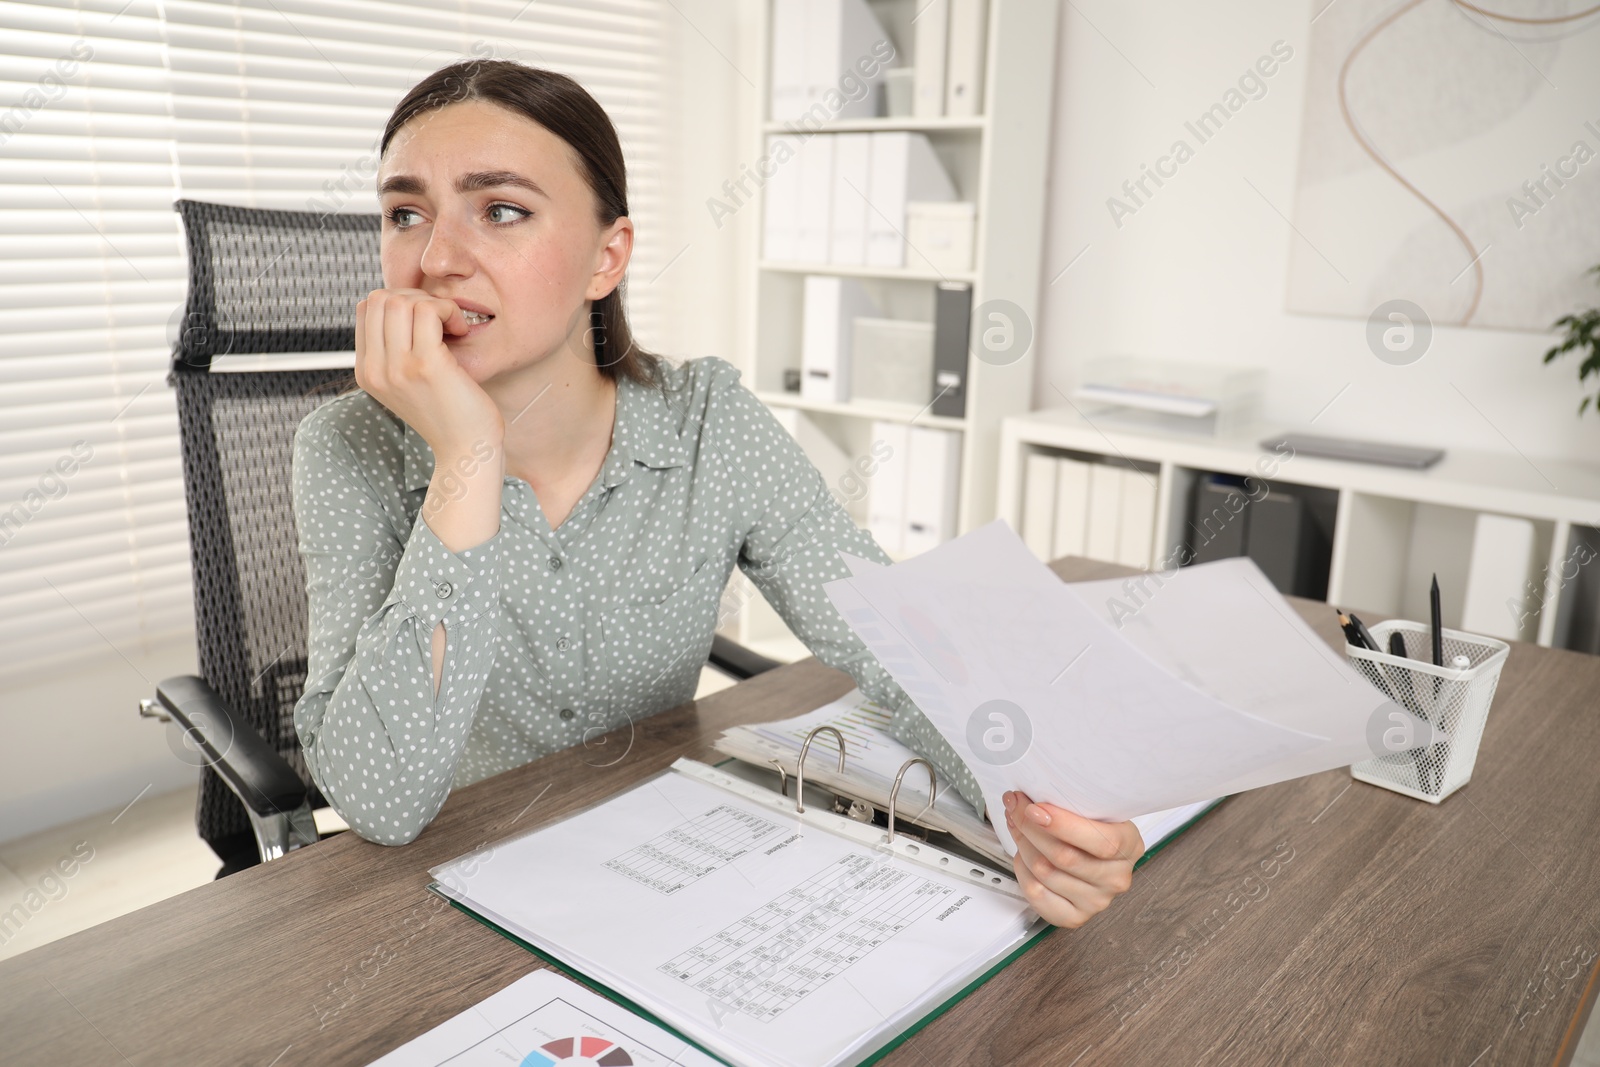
(1366, 634)
(1355, 633)
(1438, 627)
(1437, 623)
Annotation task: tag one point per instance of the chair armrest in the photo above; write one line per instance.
(736, 661)
(253, 769)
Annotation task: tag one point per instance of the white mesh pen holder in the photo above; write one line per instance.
(1454, 698)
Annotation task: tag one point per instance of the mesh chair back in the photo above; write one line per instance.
(264, 283)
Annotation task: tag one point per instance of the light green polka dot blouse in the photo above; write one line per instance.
(555, 637)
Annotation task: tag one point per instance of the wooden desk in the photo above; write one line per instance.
(1320, 921)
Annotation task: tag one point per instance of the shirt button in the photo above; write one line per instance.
(563, 644)
(566, 713)
(443, 589)
(555, 563)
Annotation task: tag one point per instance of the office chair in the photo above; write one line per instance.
(268, 327)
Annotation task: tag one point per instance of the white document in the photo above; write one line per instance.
(1037, 689)
(541, 1020)
(852, 168)
(751, 930)
(969, 24)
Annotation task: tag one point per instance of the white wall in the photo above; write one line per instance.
(74, 743)
(1198, 272)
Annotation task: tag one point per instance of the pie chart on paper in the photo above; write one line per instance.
(578, 1052)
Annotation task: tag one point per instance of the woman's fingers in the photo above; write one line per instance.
(397, 315)
(1104, 840)
(427, 331)
(1057, 909)
(1113, 875)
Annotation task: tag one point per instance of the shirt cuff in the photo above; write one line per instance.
(439, 585)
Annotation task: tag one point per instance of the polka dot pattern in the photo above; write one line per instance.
(554, 636)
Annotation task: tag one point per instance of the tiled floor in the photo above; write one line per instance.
(121, 861)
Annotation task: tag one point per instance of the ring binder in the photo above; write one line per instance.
(800, 767)
(783, 775)
(894, 792)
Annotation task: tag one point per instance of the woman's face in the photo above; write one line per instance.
(488, 208)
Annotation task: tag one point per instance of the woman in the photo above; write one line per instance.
(516, 535)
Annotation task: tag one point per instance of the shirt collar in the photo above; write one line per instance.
(645, 431)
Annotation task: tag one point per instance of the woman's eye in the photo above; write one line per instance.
(393, 215)
(508, 207)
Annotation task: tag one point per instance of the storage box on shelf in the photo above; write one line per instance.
(1393, 528)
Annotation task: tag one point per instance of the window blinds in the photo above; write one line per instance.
(112, 109)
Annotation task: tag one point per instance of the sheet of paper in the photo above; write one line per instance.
(1194, 622)
(1039, 691)
(757, 934)
(541, 1020)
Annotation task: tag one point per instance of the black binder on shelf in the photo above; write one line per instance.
(952, 328)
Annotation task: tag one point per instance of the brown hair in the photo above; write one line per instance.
(565, 108)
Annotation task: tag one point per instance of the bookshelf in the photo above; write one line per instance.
(997, 164)
(1393, 527)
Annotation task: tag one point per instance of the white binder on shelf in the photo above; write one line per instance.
(886, 497)
(852, 160)
(1136, 529)
(1105, 509)
(840, 34)
(1072, 508)
(904, 167)
(928, 43)
(781, 206)
(933, 477)
(1501, 571)
(815, 223)
(969, 23)
(790, 43)
(1039, 505)
(831, 307)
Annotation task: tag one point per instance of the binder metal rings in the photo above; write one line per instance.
(894, 793)
(800, 766)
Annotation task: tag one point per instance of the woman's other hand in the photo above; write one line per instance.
(1070, 868)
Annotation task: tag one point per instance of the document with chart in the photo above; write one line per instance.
(761, 934)
(545, 1020)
